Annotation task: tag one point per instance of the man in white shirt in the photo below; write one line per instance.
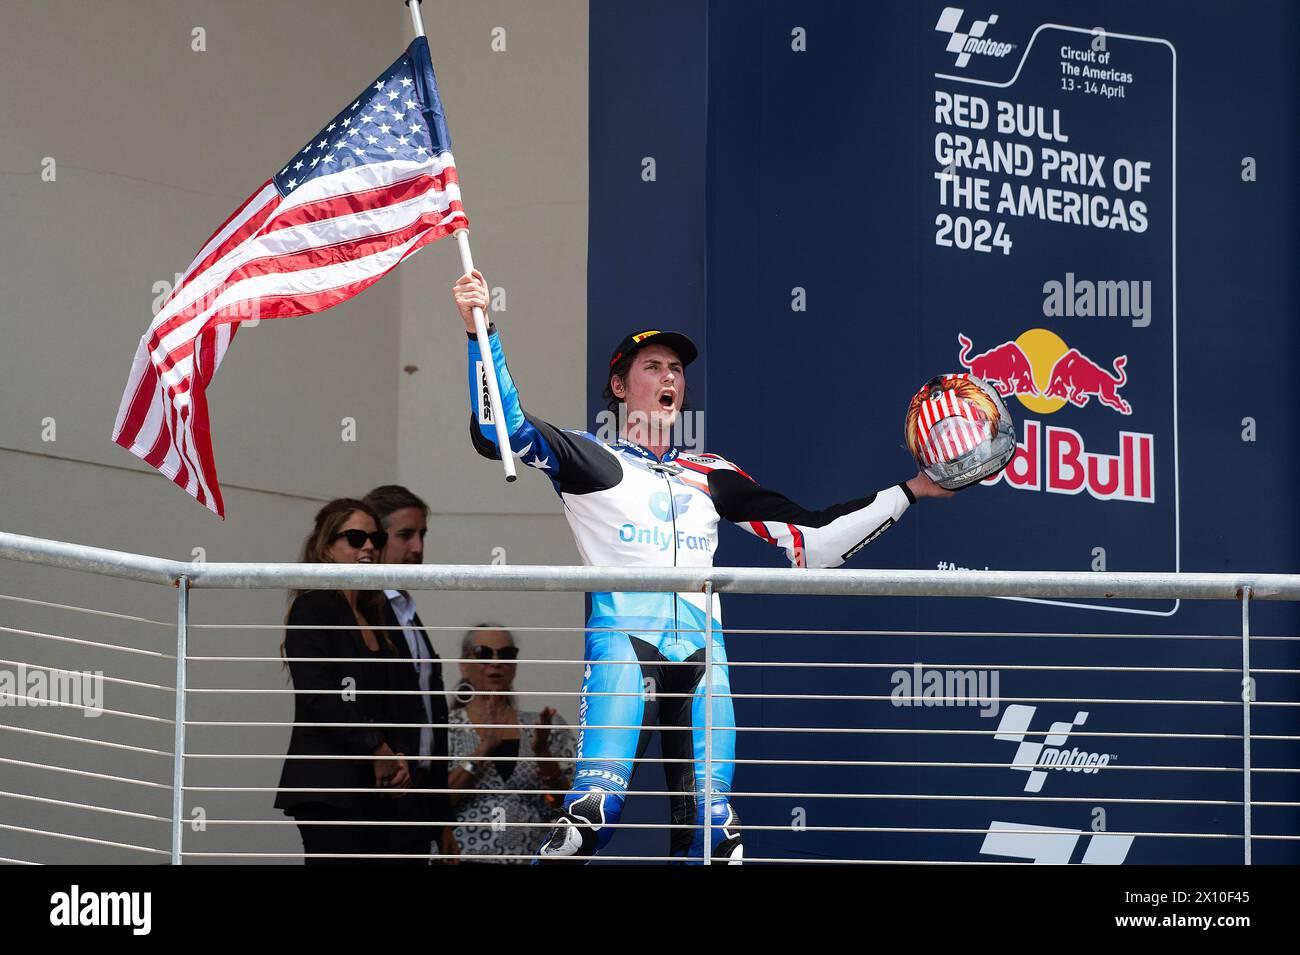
(405, 517)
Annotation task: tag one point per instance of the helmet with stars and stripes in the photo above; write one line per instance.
(959, 430)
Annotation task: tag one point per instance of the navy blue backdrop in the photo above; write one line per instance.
(829, 217)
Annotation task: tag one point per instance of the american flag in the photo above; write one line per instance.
(950, 425)
(372, 187)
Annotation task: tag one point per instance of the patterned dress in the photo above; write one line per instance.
(483, 816)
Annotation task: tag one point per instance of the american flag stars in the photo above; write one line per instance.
(379, 126)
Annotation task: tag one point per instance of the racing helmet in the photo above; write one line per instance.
(959, 430)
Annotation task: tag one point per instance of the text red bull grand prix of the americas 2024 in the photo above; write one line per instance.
(1052, 236)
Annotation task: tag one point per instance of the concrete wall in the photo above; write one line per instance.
(155, 144)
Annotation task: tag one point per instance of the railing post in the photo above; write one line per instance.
(1247, 696)
(708, 722)
(178, 758)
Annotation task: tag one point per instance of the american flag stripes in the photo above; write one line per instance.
(373, 186)
(950, 426)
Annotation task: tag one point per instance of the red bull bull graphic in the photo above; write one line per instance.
(1046, 375)
(1006, 367)
(1076, 378)
(1039, 365)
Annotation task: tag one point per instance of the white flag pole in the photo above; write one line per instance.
(480, 320)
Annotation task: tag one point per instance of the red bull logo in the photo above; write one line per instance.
(1055, 460)
(1045, 375)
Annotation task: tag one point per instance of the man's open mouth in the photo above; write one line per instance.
(667, 399)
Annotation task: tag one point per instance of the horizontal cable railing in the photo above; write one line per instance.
(473, 577)
(216, 766)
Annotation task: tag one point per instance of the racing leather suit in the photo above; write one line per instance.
(628, 508)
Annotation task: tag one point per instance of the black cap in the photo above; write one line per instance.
(678, 342)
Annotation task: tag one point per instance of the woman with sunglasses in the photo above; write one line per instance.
(493, 759)
(325, 795)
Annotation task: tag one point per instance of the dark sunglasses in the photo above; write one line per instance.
(357, 538)
(492, 653)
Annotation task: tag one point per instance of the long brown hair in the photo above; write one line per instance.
(316, 548)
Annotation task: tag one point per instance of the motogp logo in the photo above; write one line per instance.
(1037, 758)
(664, 509)
(971, 41)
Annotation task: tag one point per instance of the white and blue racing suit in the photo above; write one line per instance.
(628, 508)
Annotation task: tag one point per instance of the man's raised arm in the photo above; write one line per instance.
(574, 461)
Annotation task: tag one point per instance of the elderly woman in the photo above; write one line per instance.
(491, 753)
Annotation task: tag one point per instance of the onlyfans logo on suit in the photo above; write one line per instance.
(667, 509)
(664, 507)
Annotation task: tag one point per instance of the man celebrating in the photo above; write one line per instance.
(639, 501)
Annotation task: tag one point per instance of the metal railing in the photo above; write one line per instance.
(187, 577)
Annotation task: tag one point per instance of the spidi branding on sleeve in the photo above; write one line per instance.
(1051, 180)
(484, 395)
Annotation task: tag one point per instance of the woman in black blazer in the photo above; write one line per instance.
(334, 791)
